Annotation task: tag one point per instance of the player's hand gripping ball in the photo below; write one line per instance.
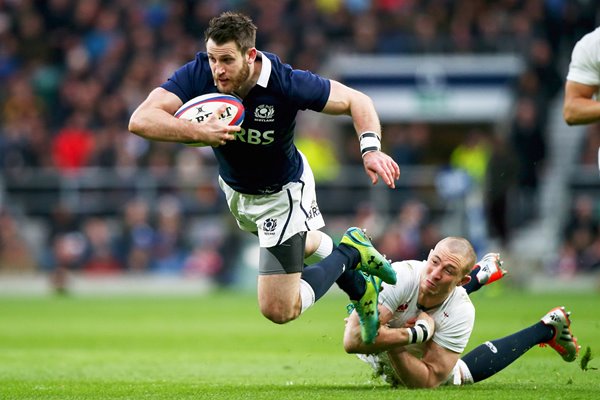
(200, 108)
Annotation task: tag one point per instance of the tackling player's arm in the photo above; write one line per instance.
(387, 338)
(345, 100)
(154, 120)
(579, 106)
(430, 371)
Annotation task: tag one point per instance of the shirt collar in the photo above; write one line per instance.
(265, 71)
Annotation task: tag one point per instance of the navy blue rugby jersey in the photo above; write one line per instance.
(263, 157)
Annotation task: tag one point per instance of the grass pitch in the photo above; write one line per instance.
(218, 346)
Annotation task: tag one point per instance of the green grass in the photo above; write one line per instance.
(220, 347)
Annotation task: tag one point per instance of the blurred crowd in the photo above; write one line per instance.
(71, 73)
(580, 236)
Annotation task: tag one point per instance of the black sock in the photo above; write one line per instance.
(321, 275)
(353, 283)
(473, 284)
(352, 254)
(492, 357)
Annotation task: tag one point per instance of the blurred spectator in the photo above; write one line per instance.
(500, 183)
(67, 252)
(529, 144)
(320, 151)
(15, 253)
(73, 146)
(204, 262)
(216, 248)
(63, 220)
(402, 239)
(408, 144)
(430, 235)
(541, 60)
(169, 249)
(588, 153)
(63, 250)
(135, 239)
(472, 156)
(368, 218)
(583, 227)
(99, 256)
(580, 247)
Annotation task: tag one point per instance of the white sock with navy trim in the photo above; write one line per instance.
(307, 295)
(325, 248)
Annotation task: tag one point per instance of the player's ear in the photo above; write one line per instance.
(251, 55)
(466, 279)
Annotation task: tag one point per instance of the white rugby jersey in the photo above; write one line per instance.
(585, 61)
(454, 318)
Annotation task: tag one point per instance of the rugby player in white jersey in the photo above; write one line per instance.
(581, 103)
(426, 320)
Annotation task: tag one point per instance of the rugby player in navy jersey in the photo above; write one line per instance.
(268, 184)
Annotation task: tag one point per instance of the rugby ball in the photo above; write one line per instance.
(200, 108)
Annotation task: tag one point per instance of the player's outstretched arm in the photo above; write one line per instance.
(430, 371)
(579, 107)
(387, 338)
(345, 100)
(154, 120)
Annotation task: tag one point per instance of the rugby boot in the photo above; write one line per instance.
(371, 261)
(563, 341)
(366, 308)
(490, 268)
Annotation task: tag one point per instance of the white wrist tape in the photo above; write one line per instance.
(369, 141)
(419, 333)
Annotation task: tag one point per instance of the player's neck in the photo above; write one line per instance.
(428, 307)
(245, 88)
(426, 303)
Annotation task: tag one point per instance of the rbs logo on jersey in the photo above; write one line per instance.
(253, 136)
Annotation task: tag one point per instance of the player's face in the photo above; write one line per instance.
(442, 273)
(230, 68)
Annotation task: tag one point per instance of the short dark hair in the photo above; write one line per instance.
(232, 26)
(462, 247)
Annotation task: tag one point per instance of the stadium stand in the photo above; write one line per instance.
(69, 169)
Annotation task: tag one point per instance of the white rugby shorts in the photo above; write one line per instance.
(277, 216)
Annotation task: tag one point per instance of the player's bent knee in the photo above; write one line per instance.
(278, 314)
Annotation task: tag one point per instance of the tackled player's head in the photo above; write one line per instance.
(448, 266)
(462, 248)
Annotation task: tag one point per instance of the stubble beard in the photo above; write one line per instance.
(236, 82)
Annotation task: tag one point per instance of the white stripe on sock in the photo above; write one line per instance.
(307, 295)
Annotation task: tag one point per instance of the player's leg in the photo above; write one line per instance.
(279, 285)
(487, 270)
(279, 277)
(285, 287)
(318, 246)
(274, 299)
(281, 221)
(362, 289)
(493, 356)
(343, 266)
